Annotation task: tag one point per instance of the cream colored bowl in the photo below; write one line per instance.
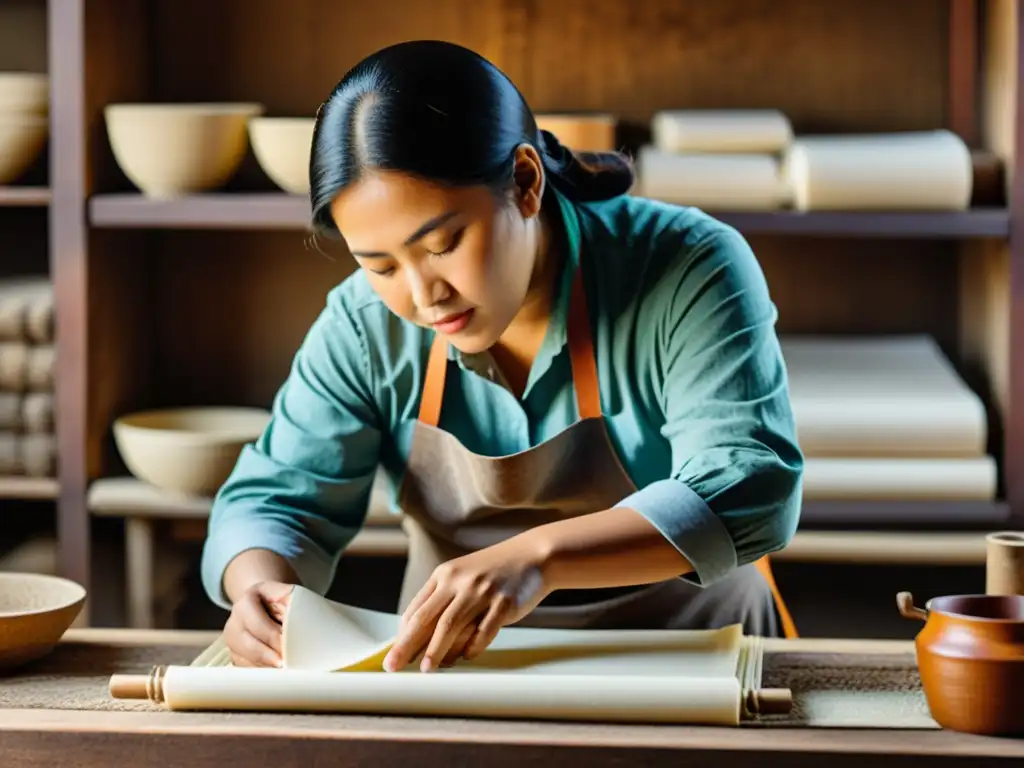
(22, 139)
(189, 451)
(281, 146)
(169, 150)
(24, 93)
(35, 612)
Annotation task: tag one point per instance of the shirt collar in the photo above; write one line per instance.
(556, 336)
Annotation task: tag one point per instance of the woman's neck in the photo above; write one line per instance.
(519, 344)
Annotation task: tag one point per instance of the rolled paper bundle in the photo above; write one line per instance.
(905, 479)
(36, 411)
(915, 170)
(11, 418)
(1004, 563)
(10, 454)
(39, 455)
(715, 182)
(333, 657)
(14, 358)
(39, 368)
(39, 318)
(26, 309)
(603, 698)
(758, 131)
(581, 133)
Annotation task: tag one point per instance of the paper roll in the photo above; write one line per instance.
(919, 170)
(332, 655)
(764, 131)
(881, 397)
(900, 479)
(647, 699)
(713, 182)
(1004, 563)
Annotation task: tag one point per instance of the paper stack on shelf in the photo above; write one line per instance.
(716, 159)
(28, 445)
(750, 160)
(913, 170)
(886, 418)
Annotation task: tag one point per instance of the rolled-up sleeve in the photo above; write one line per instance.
(734, 493)
(303, 488)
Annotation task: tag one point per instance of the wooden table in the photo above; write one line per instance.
(87, 739)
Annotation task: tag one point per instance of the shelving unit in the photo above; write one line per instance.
(204, 299)
(24, 241)
(287, 212)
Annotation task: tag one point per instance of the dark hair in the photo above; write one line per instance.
(444, 113)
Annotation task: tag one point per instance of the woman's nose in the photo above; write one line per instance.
(426, 289)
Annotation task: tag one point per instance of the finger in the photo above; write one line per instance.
(253, 651)
(459, 646)
(413, 636)
(258, 623)
(488, 627)
(447, 630)
(275, 598)
(417, 602)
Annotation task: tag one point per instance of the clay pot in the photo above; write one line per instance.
(970, 655)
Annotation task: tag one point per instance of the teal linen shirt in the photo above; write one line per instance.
(692, 380)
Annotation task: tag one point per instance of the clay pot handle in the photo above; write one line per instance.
(905, 602)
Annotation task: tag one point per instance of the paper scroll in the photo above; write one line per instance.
(916, 170)
(727, 131)
(702, 676)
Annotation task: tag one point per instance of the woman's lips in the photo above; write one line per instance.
(453, 323)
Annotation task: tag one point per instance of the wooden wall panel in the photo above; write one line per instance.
(865, 65)
(232, 309)
(23, 44)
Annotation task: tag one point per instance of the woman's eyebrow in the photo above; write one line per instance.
(419, 234)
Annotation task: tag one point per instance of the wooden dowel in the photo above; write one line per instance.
(770, 701)
(129, 686)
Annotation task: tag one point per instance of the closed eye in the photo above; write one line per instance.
(456, 239)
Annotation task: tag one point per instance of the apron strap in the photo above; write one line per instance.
(788, 626)
(433, 383)
(581, 356)
(581, 352)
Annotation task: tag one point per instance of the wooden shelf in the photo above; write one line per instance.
(24, 197)
(213, 211)
(281, 211)
(29, 488)
(978, 223)
(129, 498)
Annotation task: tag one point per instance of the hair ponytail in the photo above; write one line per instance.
(585, 176)
(441, 112)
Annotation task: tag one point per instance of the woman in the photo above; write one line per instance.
(579, 394)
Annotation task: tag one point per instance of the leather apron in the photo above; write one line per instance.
(455, 501)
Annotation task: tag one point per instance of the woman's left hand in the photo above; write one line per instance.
(466, 601)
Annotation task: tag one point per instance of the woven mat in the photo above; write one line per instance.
(829, 691)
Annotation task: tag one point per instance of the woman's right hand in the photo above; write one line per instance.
(253, 630)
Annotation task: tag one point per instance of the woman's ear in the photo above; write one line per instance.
(528, 177)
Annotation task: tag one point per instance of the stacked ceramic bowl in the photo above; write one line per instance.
(24, 122)
(170, 150)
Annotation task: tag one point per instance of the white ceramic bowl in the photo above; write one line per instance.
(188, 451)
(24, 93)
(35, 612)
(281, 146)
(169, 150)
(22, 140)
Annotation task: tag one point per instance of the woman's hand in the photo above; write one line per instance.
(253, 630)
(466, 601)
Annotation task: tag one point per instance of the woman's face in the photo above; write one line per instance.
(457, 260)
